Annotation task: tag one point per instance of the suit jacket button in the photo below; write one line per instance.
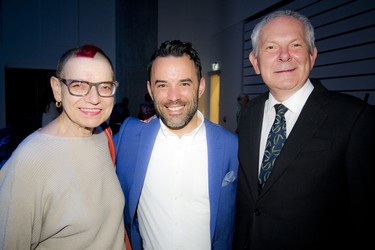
(256, 212)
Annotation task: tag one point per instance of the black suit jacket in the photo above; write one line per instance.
(321, 191)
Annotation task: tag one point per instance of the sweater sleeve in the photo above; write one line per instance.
(19, 203)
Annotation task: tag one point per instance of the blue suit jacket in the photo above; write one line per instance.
(134, 144)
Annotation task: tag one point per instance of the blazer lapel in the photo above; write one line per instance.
(147, 139)
(215, 168)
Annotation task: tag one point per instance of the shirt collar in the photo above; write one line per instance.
(295, 102)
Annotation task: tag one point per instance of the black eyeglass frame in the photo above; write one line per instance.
(68, 82)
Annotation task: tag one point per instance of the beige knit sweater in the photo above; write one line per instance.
(61, 193)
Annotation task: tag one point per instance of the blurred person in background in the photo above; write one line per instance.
(119, 113)
(146, 108)
(242, 101)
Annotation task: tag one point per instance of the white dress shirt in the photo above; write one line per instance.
(294, 104)
(174, 209)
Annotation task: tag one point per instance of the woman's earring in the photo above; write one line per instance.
(58, 104)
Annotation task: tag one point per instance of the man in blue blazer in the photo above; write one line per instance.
(320, 192)
(178, 171)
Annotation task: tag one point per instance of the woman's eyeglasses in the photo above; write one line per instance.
(82, 88)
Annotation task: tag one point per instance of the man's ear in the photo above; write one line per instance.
(313, 56)
(149, 90)
(202, 86)
(254, 62)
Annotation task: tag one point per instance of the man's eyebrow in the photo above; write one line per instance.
(186, 80)
(159, 81)
(181, 80)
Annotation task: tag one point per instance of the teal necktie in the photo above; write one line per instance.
(275, 142)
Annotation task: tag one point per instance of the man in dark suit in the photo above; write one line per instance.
(319, 192)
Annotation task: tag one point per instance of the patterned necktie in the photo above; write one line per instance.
(275, 142)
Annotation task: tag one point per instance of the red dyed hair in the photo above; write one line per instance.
(87, 50)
